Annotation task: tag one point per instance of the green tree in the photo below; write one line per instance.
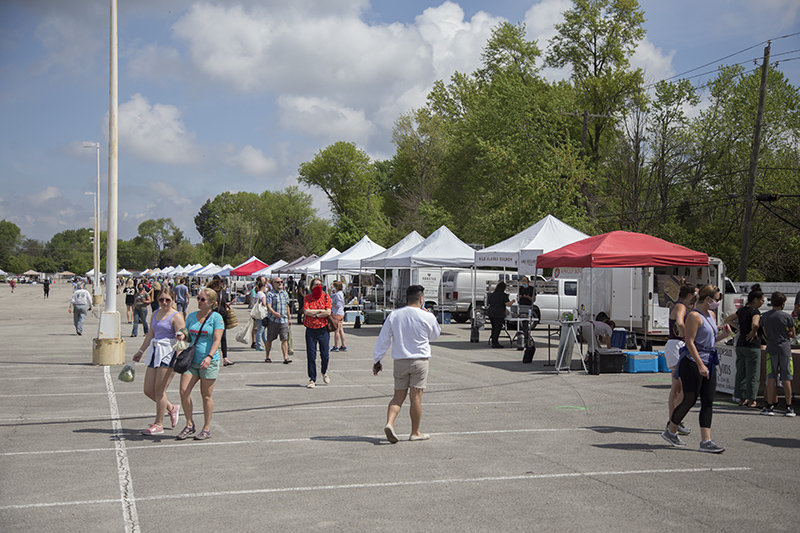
(10, 238)
(596, 40)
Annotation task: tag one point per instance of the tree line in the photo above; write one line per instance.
(493, 151)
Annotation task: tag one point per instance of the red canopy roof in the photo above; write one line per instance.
(621, 249)
(248, 267)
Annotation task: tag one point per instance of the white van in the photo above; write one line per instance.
(457, 287)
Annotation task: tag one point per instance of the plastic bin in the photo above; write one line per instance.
(662, 363)
(443, 317)
(636, 362)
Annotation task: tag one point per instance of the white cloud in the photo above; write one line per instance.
(155, 132)
(252, 161)
(41, 197)
(324, 119)
(653, 61)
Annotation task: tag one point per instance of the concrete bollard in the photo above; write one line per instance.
(107, 352)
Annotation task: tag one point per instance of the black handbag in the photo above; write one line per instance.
(184, 359)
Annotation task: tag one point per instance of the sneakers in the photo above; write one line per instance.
(185, 432)
(343, 349)
(711, 447)
(173, 415)
(326, 379)
(311, 385)
(768, 410)
(203, 435)
(259, 349)
(789, 411)
(672, 438)
(682, 430)
(154, 429)
(334, 349)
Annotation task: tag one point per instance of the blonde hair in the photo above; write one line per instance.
(211, 295)
(706, 291)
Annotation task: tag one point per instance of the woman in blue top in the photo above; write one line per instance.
(205, 367)
(696, 368)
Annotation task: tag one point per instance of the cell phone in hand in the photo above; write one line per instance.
(377, 367)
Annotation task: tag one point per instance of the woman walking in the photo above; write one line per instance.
(259, 308)
(677, 325)
(130, 299)
(337, 310)
(157, 347)
(218, 285)
(748, 348)
(206, 326)
(696, 368)
(498, 301)
(316, 310)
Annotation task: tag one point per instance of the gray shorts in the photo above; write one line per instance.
(410, 373)
(785, 362)
(276, 329)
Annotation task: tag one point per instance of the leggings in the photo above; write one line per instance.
(694, 385)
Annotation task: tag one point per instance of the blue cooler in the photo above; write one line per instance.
(636, 362)
(662, 362)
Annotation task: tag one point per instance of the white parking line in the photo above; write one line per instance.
(123, 468)
(354, 486)
(265, 409)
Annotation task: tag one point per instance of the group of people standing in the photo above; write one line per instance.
(691, 354)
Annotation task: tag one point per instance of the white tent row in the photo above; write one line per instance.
(349, 261)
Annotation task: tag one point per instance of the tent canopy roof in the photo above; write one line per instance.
(621, 249)
(248, 267)
(441, 249)
(404, 244)
(546, 235)
(351, 258)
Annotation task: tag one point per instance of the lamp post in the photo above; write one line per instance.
(97, 295)
(94, 240)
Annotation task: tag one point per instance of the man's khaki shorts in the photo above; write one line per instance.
(410, 373)
(276, 329)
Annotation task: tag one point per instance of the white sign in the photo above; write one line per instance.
(726, 371)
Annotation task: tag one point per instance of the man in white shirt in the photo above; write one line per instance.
(409, 331)
(79, 305)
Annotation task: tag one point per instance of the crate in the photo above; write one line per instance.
(610, 361)
(350, 316)
(636, 362)
(662, 363)
(443, 317)
(374, 317)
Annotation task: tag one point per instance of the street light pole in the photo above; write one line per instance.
(97, 295)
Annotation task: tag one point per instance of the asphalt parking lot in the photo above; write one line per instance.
(513, 447)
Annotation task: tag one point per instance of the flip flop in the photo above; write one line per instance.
(267, 360)
(287, 361)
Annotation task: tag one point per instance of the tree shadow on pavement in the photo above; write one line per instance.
(776, 442)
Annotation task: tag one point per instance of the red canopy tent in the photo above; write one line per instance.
(621, 249)
(248, 267)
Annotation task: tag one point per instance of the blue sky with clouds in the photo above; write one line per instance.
(235, 94)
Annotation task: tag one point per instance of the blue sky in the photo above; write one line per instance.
(234, 95)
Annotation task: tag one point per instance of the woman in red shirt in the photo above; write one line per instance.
(316, 310)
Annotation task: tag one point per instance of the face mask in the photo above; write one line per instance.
(316, 292)
(525, 285)
(713, 304)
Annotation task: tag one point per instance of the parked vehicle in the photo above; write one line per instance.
(457, 289)
(554, 298)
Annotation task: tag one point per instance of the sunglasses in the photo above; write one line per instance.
(165, 300)
(202, 299)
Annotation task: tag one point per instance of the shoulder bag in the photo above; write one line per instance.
(230, 319)
(184, 359)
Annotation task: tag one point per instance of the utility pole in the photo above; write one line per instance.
(747, 223)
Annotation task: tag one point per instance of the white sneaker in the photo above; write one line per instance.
(325, 378)
(311, 385)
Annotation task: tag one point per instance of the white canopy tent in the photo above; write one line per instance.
(521, 250)
(285, 268)
(312, 267)
(274, 267)
(124, 272)
(296, 267)
(441, 249)
(349, 261)
(379, 260)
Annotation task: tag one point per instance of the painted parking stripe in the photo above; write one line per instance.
(356, 486)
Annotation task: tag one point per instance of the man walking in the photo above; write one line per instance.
(278, 318)
(182, 297)
(79, 305)
(409, 331)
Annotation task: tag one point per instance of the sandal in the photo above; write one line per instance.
(267, 360)
(287, 361)
(753, 404)
(185, 432)
(203, 435)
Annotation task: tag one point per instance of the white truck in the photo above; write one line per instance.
(640, 299)
(457, 289)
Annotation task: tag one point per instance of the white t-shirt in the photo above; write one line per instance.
(409, 331)
(81, 297)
